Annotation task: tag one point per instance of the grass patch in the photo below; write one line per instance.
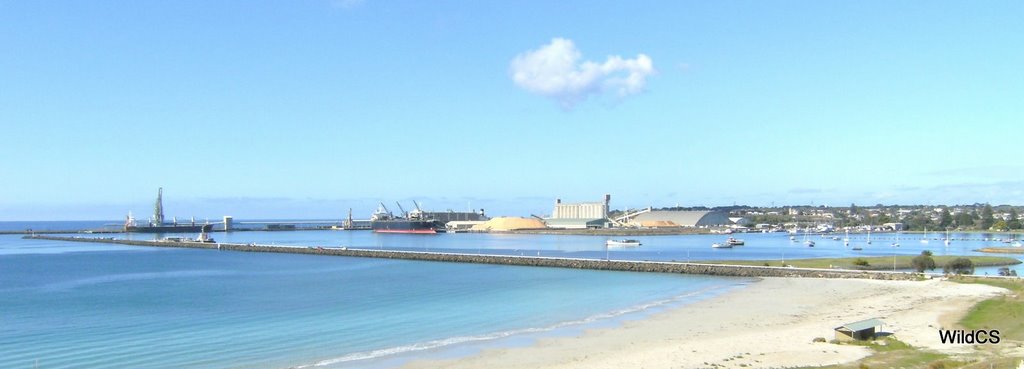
(1002, 250)
(893, 353)
(1004, 313)
(874, 263)
(990, 363)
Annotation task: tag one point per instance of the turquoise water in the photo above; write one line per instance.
(73, 305)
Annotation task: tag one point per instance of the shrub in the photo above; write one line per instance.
(923, 261)
(818, 339)
(861, 262)
(959, 266)
(1007, 272)
(926, 253)
(937, 365)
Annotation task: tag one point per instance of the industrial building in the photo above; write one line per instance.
(580, 215)
(582, 210)
(450, 216)
(680, 218)
(578, 223)
(501, 224)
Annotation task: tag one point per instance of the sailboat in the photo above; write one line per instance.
(947, 238)
(869, 227)
(924, 237)
(846, 241)
(808, 242)
(897, 243)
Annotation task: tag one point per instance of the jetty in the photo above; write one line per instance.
(532, 261)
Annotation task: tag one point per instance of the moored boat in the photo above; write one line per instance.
(734, 242)
(383, 221)
(622, 243)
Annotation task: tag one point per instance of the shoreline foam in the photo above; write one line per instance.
(769, 324)
(404, 354)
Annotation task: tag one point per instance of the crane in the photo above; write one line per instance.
(404, 213)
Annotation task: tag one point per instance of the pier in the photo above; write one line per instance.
(533, 261)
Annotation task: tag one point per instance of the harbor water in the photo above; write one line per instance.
(72, 305)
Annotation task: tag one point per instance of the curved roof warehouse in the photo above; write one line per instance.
(683, 218)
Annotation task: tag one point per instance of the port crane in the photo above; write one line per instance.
(404, 213)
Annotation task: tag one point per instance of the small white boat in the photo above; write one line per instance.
(622, 243)
(809, 243)
(734, 242)
(717, 245)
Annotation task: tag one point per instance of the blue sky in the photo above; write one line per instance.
(303, 109)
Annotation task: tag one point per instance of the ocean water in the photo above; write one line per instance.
(74, 305)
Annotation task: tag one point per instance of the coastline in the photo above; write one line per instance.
(767, 324)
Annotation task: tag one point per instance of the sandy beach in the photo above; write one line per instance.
(769, 324)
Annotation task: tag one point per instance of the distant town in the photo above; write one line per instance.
(597, 217)
(976, 217)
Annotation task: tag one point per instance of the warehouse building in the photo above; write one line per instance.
(682, 218)
(504, 224)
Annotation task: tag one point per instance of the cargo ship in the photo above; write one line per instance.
(416, 221)
(157, 225)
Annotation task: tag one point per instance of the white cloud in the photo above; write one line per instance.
(555, 70)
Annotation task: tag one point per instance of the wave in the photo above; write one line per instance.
(67, 285)
(435, 344)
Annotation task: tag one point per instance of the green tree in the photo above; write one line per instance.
(986, 217)
(999, 225)
(918, 222)
(959, 266)
(964, 220)
(1014, 222)
(923, 261)
(945, 219)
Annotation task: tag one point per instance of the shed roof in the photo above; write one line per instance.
(861, 325)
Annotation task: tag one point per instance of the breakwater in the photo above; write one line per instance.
(538, 261)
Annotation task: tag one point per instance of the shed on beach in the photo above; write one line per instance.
(862, 330)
